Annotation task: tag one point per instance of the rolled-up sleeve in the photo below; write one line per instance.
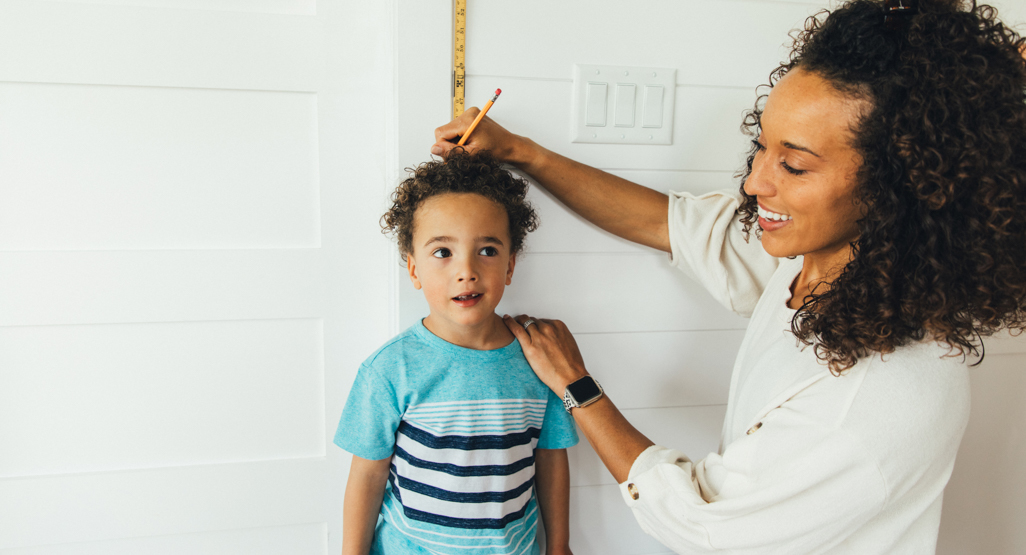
(707, 243)
(792, 486)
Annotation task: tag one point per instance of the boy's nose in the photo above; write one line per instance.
(466, 273)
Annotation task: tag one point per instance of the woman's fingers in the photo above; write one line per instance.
(449, 134)
(517, 328)
(488, 135)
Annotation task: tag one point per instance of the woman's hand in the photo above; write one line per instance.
(550, 350)
(488, 135)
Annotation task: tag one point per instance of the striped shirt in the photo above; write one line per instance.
(461, 427)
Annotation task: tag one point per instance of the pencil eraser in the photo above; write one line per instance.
(498, 92)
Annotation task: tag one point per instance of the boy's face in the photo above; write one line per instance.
(461, 259)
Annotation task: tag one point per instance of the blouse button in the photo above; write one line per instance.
(753, 428)
(633, 490)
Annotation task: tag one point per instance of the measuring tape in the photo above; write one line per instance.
(459, 56)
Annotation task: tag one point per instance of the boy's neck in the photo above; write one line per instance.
(489, 335)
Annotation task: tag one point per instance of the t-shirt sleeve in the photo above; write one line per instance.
(370, 418)
(707, 243)
(558, 430)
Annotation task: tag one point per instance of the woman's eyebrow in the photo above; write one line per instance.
(793, 146)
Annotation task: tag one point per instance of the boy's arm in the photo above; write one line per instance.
(552, 481)
(364, 492)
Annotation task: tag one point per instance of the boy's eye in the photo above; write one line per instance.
(489, 251)
(442, 253)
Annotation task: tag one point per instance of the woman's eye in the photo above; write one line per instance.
(757, 145)
(489, 251)
(442, 253)
(791, 170)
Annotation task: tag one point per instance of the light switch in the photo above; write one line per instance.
(623, 114)
(623, 105)
(653, 110)
(595, 114)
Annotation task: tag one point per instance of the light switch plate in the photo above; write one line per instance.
(651, 119)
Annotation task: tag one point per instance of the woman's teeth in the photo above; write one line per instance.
(466, 297)
(763, 213)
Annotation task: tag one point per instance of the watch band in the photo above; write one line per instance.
(582, 393)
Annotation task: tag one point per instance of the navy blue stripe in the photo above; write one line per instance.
(473, 523)
(457, 470)
(462, 497)
(468, 443)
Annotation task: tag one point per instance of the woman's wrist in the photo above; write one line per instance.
(526, 154)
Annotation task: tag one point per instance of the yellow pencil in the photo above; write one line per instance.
(479, 117)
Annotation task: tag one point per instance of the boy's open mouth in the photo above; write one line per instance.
(466, 297)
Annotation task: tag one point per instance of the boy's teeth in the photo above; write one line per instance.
(465, 297)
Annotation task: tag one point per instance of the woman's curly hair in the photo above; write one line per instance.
(942, 248)
(460, 172)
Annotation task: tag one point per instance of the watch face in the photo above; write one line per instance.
(584, 389)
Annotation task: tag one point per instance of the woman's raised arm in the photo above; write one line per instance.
(616, 205)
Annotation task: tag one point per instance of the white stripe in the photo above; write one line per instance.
(474, 430)
(462, 484)
(399, 521)
(477, 411)
(476, 457)
(482, 402)
(451, 509)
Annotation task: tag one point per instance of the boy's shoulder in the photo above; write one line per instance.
(398, 348)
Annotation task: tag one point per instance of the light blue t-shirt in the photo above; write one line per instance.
(462, 425)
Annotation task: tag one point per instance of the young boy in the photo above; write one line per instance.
(451, 433)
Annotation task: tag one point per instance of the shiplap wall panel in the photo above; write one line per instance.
(706, 128)
(153, 169)
(307, 539)
(691, 430)
(86, 43)
(602, 524)
(93, 287)
(294, 7)
(540, 39)
(565, 231)
(983, 505)
(250, 142)
(75, 508)
(680, 368)
(614, 293)
(597, 283)
(603, 292)
(142, 395)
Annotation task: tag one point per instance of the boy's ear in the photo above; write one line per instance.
(411, 267)
(509, 271)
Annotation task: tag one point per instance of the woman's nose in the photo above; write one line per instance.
(759, 182)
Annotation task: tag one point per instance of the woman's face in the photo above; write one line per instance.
(804, 172)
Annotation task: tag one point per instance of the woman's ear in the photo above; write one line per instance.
(411, 267)
(509, 271)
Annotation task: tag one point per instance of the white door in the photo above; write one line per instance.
(190, 268)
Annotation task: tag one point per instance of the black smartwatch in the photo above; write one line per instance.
(582, 393)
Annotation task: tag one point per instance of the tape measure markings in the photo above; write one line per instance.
(459, 68)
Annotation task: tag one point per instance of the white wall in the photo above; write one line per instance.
(658, 344)
(191, 268)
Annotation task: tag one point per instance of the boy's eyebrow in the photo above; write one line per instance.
(439, 239)
(447, 239)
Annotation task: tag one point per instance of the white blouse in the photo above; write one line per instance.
(809, 462)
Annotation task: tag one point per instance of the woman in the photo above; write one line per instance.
(877, 237)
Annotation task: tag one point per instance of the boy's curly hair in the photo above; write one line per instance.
(942, 247)
(460, 172)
